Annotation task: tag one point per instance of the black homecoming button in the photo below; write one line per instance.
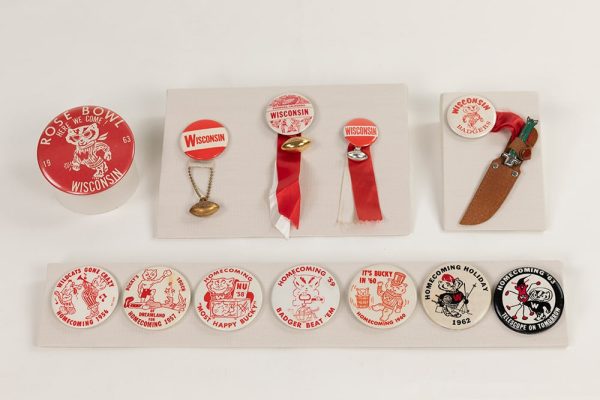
(529, 300)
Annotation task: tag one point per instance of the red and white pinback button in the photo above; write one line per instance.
(290, 114)
(471, 116)
(305, 297)
(456, 296)
(228, 299)
(85, 150)
(382, 296)
(85, 297)
(204, 139)
(360, 132)
(156, 298)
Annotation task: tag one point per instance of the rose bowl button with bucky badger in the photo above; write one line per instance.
(228, 299)
(382, 296)
(85, 297)
(156, 298)
(86, 153)
(529, 300)
(204, 139)
(305, 297)
(456, 296)
(471, 116)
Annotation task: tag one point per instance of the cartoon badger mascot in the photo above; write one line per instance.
(453, 301)
(471, 116)
(88, 144)
(391, 297)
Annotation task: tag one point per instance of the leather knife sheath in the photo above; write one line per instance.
(497, 183)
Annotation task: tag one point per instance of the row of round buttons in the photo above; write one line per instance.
(455, 296)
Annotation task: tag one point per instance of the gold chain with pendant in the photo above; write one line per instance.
(195, 186)
(204, 207)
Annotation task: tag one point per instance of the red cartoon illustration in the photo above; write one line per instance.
(471, 115)
(144, 288)
(382, 296)
(305, 297)
(531, 297)
(65, 298)
(363, 298)
(150, 298)
(391, 297)
(228, 297)
(90, 293)
(305, 294)
(84, 297)
(290, 114)
(146, 293)
(89, 150)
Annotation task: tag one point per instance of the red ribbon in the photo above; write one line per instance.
(288, 185)
(364, 187)
(510, 121)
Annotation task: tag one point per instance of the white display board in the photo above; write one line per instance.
(465, 162)
(343, 330)
(244, 172)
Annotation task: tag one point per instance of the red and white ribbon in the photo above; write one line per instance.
(359, 177)
(285, 196)
(288, 115)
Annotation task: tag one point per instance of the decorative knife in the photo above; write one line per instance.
(501, 176)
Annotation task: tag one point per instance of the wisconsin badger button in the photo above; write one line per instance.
(85, 297)
(289, 114)
(471, 116)
(204, 139)
(529, 300)
(456, 296)
(85, 150)
(305, 297)
(228, 298)
(86, 153)
(361, 132)
(156, 298)
(382, 296)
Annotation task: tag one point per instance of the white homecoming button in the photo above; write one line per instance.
(228, 299)
(85, 297)
(156, 298)
(305, 297)
(456, 296)
(382, 296)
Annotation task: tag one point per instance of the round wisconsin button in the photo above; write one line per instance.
(85, 150)
(456, 296)
(382, 296)
(471, 116)
(305, 297)
(290, 114)
(529, 300)
(204, 139)
(85, 297)
(228, 299)
(360, 132)
(156, 298)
